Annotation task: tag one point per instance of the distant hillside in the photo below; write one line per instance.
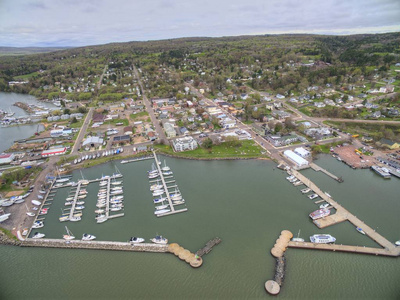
(28, 50)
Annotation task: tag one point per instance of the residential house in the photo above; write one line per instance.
(319, 104)
(388, 144)
(228, 123)
(280, 114)
(97, 118)
(169, 130)
(121, 139)
(128, 130)
(183, 131)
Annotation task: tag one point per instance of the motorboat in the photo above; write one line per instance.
(25, 231)
(79, 207)
(82, 197)
(158, 193)
(38, 235)
(69, 199)
(18, 199)
(164, 206)
(4, 217)
(43, 211)
(116, 188)
(159, 240)
(7, 203)
(68, 203)
(116, 182)
(324, 205)
(115, 208)
(88, 237)
(156, 187)
(99, 211)
(306, 190)
(161, 211)
(359, 229)
(178, 202)
(167, 173)
(117, 198)
(69, 236)
(322, 239)
(313, 196)
(101, 219)
(136, 240)
(80, 202)
(320, 213)
(75, 218)
(38, 224)
(31, 214)
(116, 192)
(159, 200)
(397, 243)
(40, 197)
(151, 176)
(61, 180)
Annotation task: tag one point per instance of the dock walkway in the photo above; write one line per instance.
(173, 210)
(208, 247)
(343, 214)
(318, 168)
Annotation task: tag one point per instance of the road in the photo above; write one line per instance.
(101, 77)
(82, 132)
(160, 132)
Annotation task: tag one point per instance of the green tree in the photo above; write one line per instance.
(207, 143)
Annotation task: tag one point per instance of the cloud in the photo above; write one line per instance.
(78, 23)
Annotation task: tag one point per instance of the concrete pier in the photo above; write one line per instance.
(318, 168)
(342, 215)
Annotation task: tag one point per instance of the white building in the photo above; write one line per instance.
(302, 152)
(169, 130)
(6, 158)
(297, 159)
(185, 143)
(54, 151)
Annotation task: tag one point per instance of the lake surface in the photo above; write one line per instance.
(245, 203)
(10, 134)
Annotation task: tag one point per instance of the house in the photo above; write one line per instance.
(319, 104)
(169, 130)
(121, 139)
(184, 144)
(151, 135)
(388, 144)
(97, 118)
(392, 112)
(280, 114)
(228, 123)
(278, 140)
(376, 114)
(183, 130)
(244, 96)
(128, 130)
(279, 96)
(92, 141)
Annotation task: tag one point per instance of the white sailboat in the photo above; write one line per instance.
(69, 235)
(165, 168)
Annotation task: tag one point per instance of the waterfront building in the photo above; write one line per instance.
(302, 152)
(388, 144)
(54, 151)
(6, 158)
(92, 141)
(185, 143)
(297, 159)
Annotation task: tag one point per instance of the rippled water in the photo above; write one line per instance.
(247, 204)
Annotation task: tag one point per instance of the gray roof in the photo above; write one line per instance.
(92, 140)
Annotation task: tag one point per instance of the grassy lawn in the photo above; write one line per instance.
(249, 149)
(115, 121)
(77, 124)
(26, 76)
(324, 148)
(138, 115)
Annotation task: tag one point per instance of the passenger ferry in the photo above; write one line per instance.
(322, 239)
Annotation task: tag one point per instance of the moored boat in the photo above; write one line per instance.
(320, 213)
(359, 229)
(38, 235)
(38, 224)
(88, 237)
(69, 236)
(159, 239)
(136, 240)
(313, 196)
(322, 239)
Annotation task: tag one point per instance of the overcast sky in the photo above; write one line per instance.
(89, 22)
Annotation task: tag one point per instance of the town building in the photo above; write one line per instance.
(297, 159)
(6, 158)
(93, 141)
(54, 151)
(184, 144)
(302, 152)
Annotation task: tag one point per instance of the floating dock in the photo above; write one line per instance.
(208, 247)
(171, 205)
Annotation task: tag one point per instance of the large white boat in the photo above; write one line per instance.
(88, 237)
(158, 193)
(69, 236)
(61, 180)
(38, 235)
(156, 187)
(306, 190)
(159, 200)
(381, 171)
(35, 202)
(320, 213)
(101, 219)
(63, 218)
(136, 240)
(322, 239)
(159, 240)
(75, 218)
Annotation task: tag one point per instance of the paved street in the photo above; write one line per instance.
(82, 132)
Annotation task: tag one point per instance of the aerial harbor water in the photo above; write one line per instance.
(245, 203)
(10, 134)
